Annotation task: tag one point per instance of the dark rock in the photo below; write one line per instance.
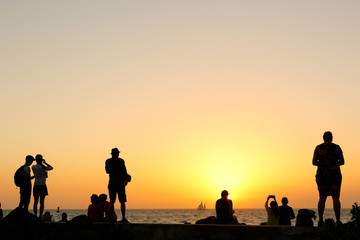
(208, 220)
(304, 218)
(19, 223)
(81, 221)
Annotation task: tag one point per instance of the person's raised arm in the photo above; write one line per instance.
(267, 201)
(48, 166)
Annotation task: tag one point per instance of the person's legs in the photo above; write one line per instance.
(337, 208)
(335, 193)
(21, 203)
(122, 200)
(112, 199)
(42, 204)
(123, 210)
(321, 208)
(112, 210)
(27, 197)
(36, 200)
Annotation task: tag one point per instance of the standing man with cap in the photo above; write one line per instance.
(328, 157)
(118, 179)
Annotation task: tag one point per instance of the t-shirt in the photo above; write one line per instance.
(327, 155)
(27, 177)
(40, 174)
(116, 169)
(105, 209)
(94, 212)
(286, 213)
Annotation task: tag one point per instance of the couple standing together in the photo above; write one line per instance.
(40, 190)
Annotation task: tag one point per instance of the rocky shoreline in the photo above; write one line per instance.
(20, 224)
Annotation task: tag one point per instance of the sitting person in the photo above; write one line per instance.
(94, 211)
(224, 210)
(286, 213)
(63, 217)
(105, 209)
(47, 217)
(272, 211)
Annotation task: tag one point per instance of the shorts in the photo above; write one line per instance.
(119, 190)
(329, 183)
(40, 190)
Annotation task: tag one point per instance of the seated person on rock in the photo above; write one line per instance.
(272, 211)
(224, 210)
(105, 209)
(94, 210)
(286, 213)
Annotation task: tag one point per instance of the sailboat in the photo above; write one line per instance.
(202, 206)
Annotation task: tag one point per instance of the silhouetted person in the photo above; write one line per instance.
(47, 217)
(94, 210)
(286, 212)
(1, 213)
(272, 211)
(105, 209)
(224, 210)
(328, 157)
(40, 189)
(64, 217)
(118, 179)
(25, 187)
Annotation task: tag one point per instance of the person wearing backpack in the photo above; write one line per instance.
(23, 180)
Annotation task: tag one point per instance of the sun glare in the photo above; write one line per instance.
(227, 171)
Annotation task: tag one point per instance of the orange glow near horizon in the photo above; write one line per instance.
(196, 104)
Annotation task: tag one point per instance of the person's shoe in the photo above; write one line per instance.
(125, 221)
(320, 223)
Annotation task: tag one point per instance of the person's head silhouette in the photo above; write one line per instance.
(328, 137)
(94, 198)
(224, 194)
(115, 152)
(102, 197)
(64, 217)
(39, 158)
(29, 160)
(284, 201)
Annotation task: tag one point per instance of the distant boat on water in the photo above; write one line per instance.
(202, 206)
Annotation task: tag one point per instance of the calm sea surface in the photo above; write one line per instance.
(179, 216)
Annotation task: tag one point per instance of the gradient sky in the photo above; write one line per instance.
(199, 96)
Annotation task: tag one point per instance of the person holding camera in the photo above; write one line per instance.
(272, 211)
(40, 189)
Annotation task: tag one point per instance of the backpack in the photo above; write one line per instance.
(19, 177)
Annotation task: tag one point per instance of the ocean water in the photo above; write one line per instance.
(180, 216)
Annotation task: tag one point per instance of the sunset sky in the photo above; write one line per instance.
(198, 95)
